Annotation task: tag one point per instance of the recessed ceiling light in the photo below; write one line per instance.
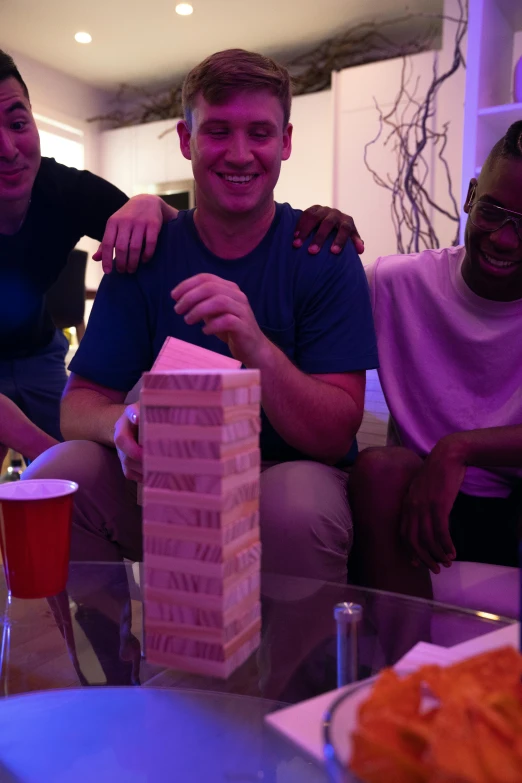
(184, 9)
(84, 38)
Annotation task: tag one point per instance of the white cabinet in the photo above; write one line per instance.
(139, 158)
(117, 157)
(495, 30)
(149, 155)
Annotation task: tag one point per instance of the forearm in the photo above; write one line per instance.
(19, 433)
(492, 447)
(315, 417)
(147, 199)
(89, 415)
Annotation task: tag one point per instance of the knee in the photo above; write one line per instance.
(303, 498)
(306, 527)
(72, 460)
(384, 465)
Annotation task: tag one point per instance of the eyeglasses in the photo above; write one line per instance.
(488, 217)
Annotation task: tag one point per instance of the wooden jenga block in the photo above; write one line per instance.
(203, 659)
(194, 518)
(234, 464)
(166, 587)
(166, 616)
(200, 624)
(205, 416)
(201, 517)
(163, 541)
(177, 354)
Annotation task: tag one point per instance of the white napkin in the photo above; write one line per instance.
(424, 654)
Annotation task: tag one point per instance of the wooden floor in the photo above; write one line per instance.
(35, 658)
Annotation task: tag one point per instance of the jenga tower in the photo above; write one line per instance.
(201, 518)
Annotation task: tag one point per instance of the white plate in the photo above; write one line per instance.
(340, 721)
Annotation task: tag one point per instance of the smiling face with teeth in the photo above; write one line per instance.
(236, 149)
(492, 267)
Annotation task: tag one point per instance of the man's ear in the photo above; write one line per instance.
(471, 195)
(184, 139)
(287, 142)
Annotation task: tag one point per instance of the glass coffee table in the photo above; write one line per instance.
(179, 726)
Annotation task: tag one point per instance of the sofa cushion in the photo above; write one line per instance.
(479, 586)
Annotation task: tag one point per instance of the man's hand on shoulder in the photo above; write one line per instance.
(225, 311)
(132, 232)
(126, 442)
(326, 220)
(428, 504)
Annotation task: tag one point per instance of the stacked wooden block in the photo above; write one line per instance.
(200, 436)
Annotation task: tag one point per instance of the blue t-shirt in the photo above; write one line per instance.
(315, 308)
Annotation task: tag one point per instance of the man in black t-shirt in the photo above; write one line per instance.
(45, 208)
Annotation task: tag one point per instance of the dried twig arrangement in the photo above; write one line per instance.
(311, 72)
(407, 128)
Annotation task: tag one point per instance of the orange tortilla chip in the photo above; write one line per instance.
(376, 762)
(453, 749)
(391, 693)
(471, 733)
(496, 670)
(496, 750)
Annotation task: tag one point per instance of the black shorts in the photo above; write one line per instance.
(486, 530)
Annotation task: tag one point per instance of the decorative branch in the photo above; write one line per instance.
(411, 137)
(311, 72)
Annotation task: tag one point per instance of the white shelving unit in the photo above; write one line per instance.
(494, 46)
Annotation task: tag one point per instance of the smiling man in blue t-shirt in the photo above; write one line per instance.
(226, 277)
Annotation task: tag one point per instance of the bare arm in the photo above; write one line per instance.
(432, 493)
(90, 411)
(19, 433)
(132, 232)
(317, 414)
(97, 413)
(493, 447)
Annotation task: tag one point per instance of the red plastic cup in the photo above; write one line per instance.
(35, 535)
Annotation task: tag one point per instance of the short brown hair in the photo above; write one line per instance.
(8, 70)
(224, 73)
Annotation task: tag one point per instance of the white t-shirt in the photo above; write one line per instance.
(449, 360)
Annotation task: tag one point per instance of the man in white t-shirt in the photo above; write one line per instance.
(449, 331)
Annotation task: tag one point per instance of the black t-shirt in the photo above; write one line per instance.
(66, 204)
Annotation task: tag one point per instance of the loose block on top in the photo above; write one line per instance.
(178, 354)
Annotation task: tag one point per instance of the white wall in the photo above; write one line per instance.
(142, 156)
(306, 178)
(517, 48)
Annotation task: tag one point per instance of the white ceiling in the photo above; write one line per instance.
(140, 42)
